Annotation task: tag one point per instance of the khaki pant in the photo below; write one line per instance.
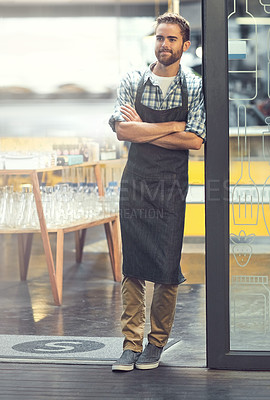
(133, 317)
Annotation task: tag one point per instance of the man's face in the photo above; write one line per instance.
(169, 45)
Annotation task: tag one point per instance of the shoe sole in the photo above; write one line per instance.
(122, 367)
(147, 366)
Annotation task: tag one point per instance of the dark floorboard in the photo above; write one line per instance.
(98, 382)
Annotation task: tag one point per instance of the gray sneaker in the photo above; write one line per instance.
(149, 358)
(126, 361)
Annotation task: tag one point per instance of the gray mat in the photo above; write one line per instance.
(62, 349)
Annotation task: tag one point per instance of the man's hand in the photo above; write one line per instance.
(130, 114)
(179, 141)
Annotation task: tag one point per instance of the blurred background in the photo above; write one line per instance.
(61, 61)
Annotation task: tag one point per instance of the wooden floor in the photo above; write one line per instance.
(92, 307)
(92, 304)
(36, 382)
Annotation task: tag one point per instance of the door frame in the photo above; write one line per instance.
(215, 72)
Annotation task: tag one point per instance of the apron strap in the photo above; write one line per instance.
(139, 93)
(183, 84)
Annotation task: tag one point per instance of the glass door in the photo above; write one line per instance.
(237, 85)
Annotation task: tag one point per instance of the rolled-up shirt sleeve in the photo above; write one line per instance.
(125, 95)
(196, 119)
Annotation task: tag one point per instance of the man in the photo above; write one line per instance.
(161, 112)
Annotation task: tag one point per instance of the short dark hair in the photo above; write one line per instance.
(171, 18)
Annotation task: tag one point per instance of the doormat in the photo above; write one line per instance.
(63, 349)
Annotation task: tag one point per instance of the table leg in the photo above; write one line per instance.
(46, 240)
(59, 262)
(108, 231)
(79, 241)
(24, 245)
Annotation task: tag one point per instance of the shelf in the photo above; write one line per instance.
(60, 168)
(82, 224)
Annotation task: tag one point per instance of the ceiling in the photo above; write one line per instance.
(77, 2)
(81, 8)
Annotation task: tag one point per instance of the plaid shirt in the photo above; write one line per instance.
(152, 97)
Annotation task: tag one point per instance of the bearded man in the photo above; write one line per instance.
(161, 112)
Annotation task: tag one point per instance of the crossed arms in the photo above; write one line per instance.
(170, 135)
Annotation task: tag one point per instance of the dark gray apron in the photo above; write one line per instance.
(152, 201)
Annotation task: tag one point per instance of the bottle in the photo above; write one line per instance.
(242, 53)
(113, 197)
(8, 213)
(94, 151)
(92, 204)
(85, 152)
(29, 219)
(47, 203)
(2, 206)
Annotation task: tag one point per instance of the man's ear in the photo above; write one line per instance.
(186, 45)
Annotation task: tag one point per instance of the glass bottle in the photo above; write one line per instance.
(8, 210)
(242, 53)
(2, 206)
(113, 197)
(29, 219)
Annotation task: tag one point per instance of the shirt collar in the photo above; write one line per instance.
(148, 73)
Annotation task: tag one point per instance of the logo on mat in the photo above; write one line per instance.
(58, 346)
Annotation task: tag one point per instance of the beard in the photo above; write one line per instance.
(169, 59)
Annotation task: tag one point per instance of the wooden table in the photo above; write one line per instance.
(55, 269)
